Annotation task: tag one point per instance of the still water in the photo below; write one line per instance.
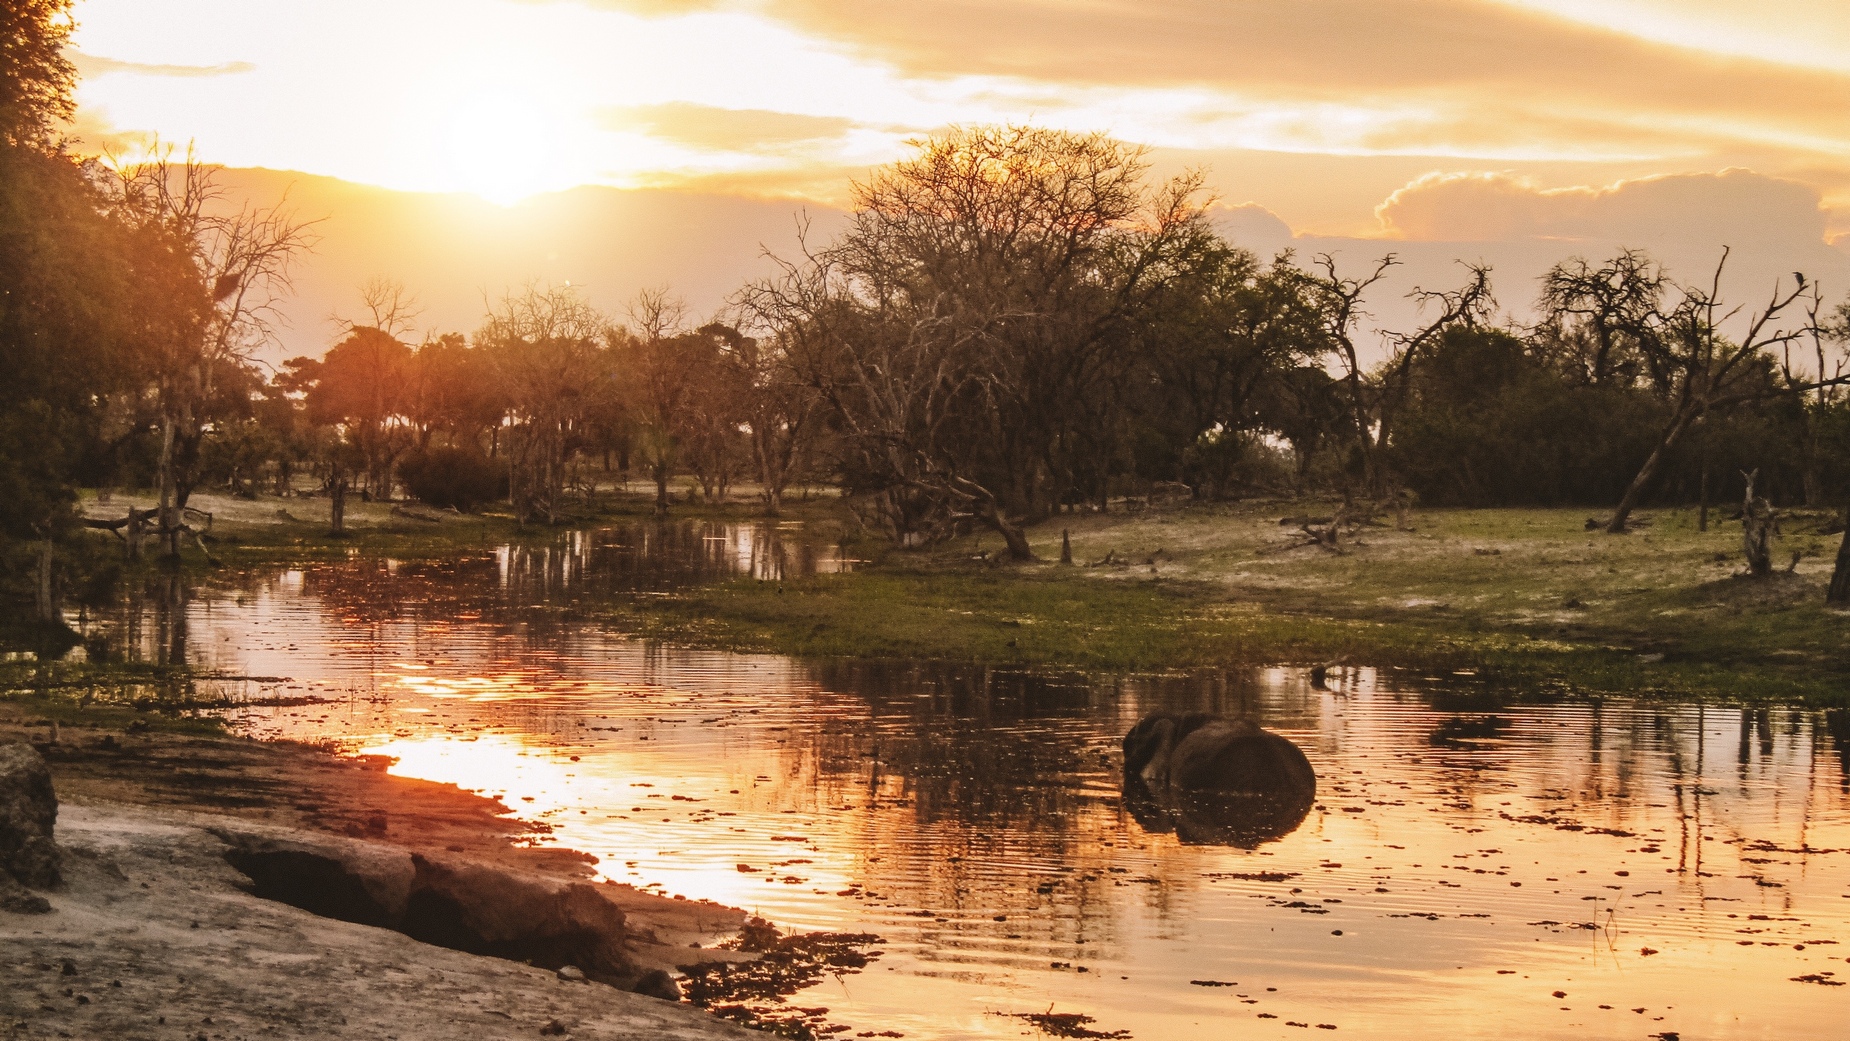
(1479, 863)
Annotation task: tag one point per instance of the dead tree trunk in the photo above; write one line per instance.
(1012, 536)
(1757, 531)
(1635, 491)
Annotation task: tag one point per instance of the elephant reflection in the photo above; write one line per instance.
(1215, 781)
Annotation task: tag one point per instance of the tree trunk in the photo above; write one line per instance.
(661, 490)
(337, 505)
(48, 607)
(168, 527)
(1702, 509)
(1635, 491)
(133, 531)
(1840, 575)
(1757, 531)
(1066, 546)
(1013, 537)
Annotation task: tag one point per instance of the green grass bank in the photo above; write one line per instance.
(1529, 596)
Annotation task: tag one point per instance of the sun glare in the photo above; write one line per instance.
(507, 146)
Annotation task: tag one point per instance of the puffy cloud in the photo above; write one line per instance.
(726, 129)
(1252, 227)
(1735, 206)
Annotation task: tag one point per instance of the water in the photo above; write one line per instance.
(1665, 867)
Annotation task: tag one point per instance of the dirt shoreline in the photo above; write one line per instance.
(163, 939)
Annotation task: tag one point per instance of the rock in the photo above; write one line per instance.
(553, 1028)
(571, 974)
(352, 881)
(658, 984)
(28, 812)
(545, 921)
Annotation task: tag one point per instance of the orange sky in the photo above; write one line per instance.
(1317, 111)
(1515, 132)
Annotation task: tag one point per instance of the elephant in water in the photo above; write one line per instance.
(1215, 781)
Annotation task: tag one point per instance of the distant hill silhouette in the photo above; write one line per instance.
(453, 251)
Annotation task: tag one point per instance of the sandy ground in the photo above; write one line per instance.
(138, 811)
(151, 937)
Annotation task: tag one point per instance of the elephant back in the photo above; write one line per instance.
(1237, 757)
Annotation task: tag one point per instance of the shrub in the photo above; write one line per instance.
(452, 476)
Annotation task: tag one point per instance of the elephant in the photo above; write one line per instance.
(1215, 781)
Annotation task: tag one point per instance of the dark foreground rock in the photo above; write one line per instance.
(484, 909)
(28, 815)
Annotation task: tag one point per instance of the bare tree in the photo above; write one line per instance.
(390, 307)
(983, 281)
(1373, 398)
(240, 261)
(654, 363)
(1603, 324)
(547, 350)
(1703, 371)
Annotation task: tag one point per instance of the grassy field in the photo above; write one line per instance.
(1529, 595)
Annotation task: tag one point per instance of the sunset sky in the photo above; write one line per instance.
(1419, 120)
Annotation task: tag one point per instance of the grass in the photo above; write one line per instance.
(112, 696)
(1526, 595)
(1529, 596)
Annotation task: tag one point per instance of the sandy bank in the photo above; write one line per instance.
(145, 819)
(153, 937)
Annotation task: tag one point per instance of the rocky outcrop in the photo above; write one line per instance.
(454, 903)
(28, 814)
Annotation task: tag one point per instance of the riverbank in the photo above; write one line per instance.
(1531, 596)
(155, 934)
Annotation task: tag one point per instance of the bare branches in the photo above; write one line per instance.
(1373, 400)
(1693, 363)
(390, 307)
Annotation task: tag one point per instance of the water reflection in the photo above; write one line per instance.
(1472, 851)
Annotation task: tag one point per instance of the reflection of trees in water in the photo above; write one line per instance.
(1015, 770)
(1018, 763)
(576, 567)
(1837, 723)
(1001, 786)
(147, 623)
(655, 557)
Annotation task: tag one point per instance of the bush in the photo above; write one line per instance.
(452, 476)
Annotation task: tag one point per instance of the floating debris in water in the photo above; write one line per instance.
(1065, 1024)
(753, 992)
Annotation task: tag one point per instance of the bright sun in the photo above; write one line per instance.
(507, 145)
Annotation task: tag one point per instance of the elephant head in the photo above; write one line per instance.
(1214, 780)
